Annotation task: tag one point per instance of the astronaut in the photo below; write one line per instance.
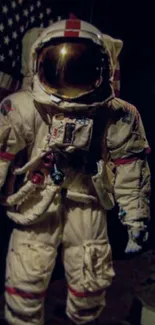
(60, 139)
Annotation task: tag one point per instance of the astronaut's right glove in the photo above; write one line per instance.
(137, 236)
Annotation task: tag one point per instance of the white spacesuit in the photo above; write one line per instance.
(68, 127)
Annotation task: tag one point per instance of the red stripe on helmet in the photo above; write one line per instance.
(73, 24)
(123, 161)
(85, 293)
(7, 156)
(23, 294)
(69, 33)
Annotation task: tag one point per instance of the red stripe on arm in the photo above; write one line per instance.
(117, 92)
(123, 161)
(148, 150)
(117, 75)
(7, 156)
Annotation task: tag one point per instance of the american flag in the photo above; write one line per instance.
(16, 17)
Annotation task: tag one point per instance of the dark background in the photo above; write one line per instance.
(136, 27)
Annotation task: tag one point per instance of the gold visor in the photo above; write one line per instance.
(70, 69)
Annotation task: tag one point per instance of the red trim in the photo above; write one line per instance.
(69, 33)
(7, 156)
(85, 293)
(117, 75)
(23, 294)
(117, 92)
(148, 150)
(123, 161)
(73, 24)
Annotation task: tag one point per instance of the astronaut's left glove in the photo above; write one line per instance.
(137, 236)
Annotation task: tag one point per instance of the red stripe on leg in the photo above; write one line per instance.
(85, 293)
(23, 294)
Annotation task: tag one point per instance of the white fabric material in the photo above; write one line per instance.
(114, 47)
(86, 255)
(84, 235)
(72, 212)
(104, 189)
(27, 41)
(147, 316)
(132, 184)
(126, 139)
